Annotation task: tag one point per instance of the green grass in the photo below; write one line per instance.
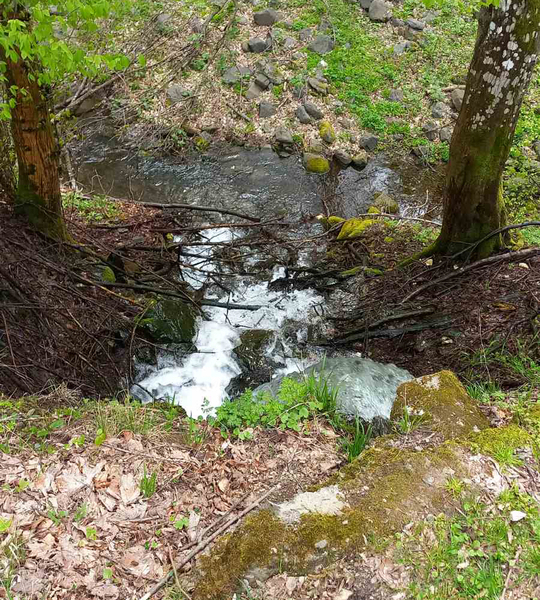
(468, 556)
(91, 208)
(354, 445)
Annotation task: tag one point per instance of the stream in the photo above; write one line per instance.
(259, 183)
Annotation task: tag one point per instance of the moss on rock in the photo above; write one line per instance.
(315, 163)
(353, 228)
(386, 204)
(327, 133)
(443, 404)
(494, 441)
(170, 321)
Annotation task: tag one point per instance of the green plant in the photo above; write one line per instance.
(92, 208)
(56, 516)
(148, 484)
(361, 437)
(455, 486)
(410, 420)
(81, 513)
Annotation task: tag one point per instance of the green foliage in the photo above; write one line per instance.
(148, 483)
(355, 445)
(468, 556)
(35, 35)
(92, 208)
(410, 420)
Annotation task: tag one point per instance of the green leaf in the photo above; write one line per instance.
(100, 437)
(107, 573)
(141, 60)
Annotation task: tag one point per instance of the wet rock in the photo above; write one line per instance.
(258, 45)
(177, 93)
(315, 163)
(360, 160)
(431, 131)
(445, 134)
(415, 24)
(457, 98)
(170, 321)
(396, 96)
(401, 48)
(366, 389)
(313, 111)
(439, 110)
(266, 18)
(267, 110)
(327, 133)
(283, 136)
(321, 87)
(369, 142)
(380, 11)
(236, 74)
(302, 115)
(253, 349)
(343, 158)
(322, 44)
(253, 92)
(386, 204)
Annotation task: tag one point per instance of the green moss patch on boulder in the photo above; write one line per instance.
(443, 404)
(314, 163)
(327, 133)
(386, 204)
(353, 228)
(171, 321)
(493, 442)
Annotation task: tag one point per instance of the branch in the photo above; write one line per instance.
(509, 256)
(202, 545)
(201, 208)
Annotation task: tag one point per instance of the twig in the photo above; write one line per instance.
(238, 112)
(197, 207)
(509, 256)
(204, 543)
(177, 581)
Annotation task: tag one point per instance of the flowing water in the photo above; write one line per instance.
(259, 183)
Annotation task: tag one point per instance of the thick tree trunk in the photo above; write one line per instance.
(38, 193)
(504, 59)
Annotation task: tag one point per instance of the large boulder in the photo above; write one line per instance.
(170, 321)
(365, 388)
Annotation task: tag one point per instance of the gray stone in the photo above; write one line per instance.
(369, 142)
(365, 4)
(431, 131)
(430, 16)
(258, 45)
(343, 158)
(322, 44)
(302, 115)
(163, 18)
(446, 134)
(262, 81)
(271, 71)
(326, 501)
(245, 47)
(396, 96)
(300, 91)
(457, 98)
(283, 136)
(365, 388)
(267, 110)
(253, 91)
(415, 24)
(395, 22)
(346, 123)
(289, 43)
(324, 27)
(313, 111)
(439, 110)
(267, 17)
(305, 34)
(319, 86)
(380, 11)
(401, 48)
(235, 74)
(171, 321)
(177, 93)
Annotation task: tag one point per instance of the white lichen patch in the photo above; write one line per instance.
(431, 382)
(326, 501)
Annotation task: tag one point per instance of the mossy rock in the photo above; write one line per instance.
(494, 441)
(442, 403)
(386, 204)
(171, 321)
(314, 163)
(253, 346)
(353, 228)
(327, 133)
(107, 275)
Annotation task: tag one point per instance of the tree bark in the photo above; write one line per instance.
(505, 55)
(38, 195)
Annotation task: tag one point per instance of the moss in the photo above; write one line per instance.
(108, 275)
(335, 220)
(201, 143)
(494, 441)
(386, 204)
(316, 164)
(327, 133)
(351, 272)
(353, 228)
(373, 210)
(534, 412)
(388, 240)
(442, 402)
(373, 272)
(232, 557)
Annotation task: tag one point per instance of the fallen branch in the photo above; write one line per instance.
(201, 208)
(204, 543)
(509, 256)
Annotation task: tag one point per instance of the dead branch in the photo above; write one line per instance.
(201, 208)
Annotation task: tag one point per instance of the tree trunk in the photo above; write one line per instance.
(504, 58)
(38, 194)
